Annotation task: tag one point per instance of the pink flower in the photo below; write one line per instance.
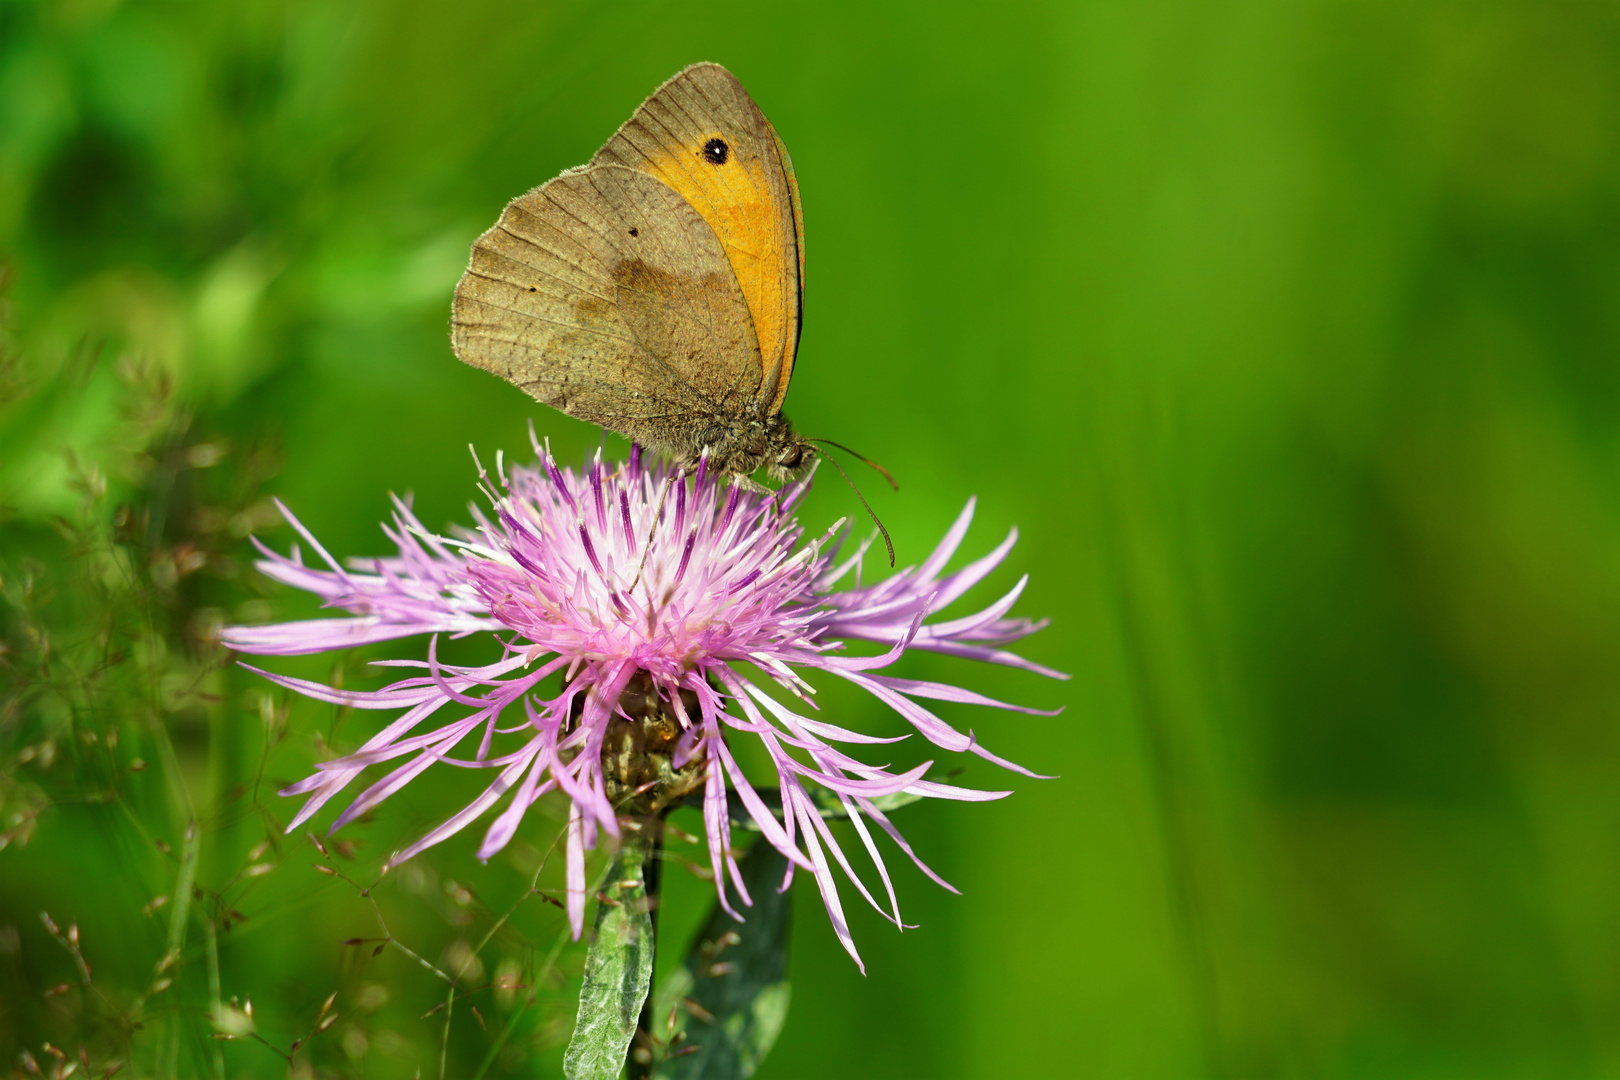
(644, 623)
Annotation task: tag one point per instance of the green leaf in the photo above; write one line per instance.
(827, 805)
(618, 971)
(736, 976)
(830, 808)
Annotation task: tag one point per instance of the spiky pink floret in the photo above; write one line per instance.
(573, 577)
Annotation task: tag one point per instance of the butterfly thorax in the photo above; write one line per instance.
(739, 446)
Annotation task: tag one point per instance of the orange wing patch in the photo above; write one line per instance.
(701, 134)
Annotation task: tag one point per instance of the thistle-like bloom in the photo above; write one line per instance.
(642, 589)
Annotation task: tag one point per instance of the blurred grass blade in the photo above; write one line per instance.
(735, 974)
(618, 972)
(185, 882)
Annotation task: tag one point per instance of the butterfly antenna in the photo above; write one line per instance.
(862, 458)
(867, 506)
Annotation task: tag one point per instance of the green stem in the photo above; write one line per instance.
(652, 875)
(618, 969)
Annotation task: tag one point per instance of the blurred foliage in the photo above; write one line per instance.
(119, 727)
(1286, 333)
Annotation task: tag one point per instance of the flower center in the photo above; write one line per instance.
(638, 754)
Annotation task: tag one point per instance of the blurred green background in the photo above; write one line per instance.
(1286, 333)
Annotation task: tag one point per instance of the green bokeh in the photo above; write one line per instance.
(1285, 333)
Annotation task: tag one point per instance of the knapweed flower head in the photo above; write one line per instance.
(643, 589)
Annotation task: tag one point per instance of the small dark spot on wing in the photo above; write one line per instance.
(716, 152)
(533, 288)
(635, 232)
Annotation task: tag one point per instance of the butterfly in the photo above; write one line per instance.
(658, 290)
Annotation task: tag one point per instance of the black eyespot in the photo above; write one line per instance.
(716, 151)
(635, 232)
(533, 288)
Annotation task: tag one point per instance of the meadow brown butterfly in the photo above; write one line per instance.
(655, 291)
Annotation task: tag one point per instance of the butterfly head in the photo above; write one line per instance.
(742, 447)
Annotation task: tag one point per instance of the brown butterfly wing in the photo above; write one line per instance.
(750, 199)
(604, 294)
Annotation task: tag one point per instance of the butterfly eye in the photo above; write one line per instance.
(716, 151)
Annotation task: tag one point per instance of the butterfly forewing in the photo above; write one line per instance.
(702, 135)
(605, 294)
